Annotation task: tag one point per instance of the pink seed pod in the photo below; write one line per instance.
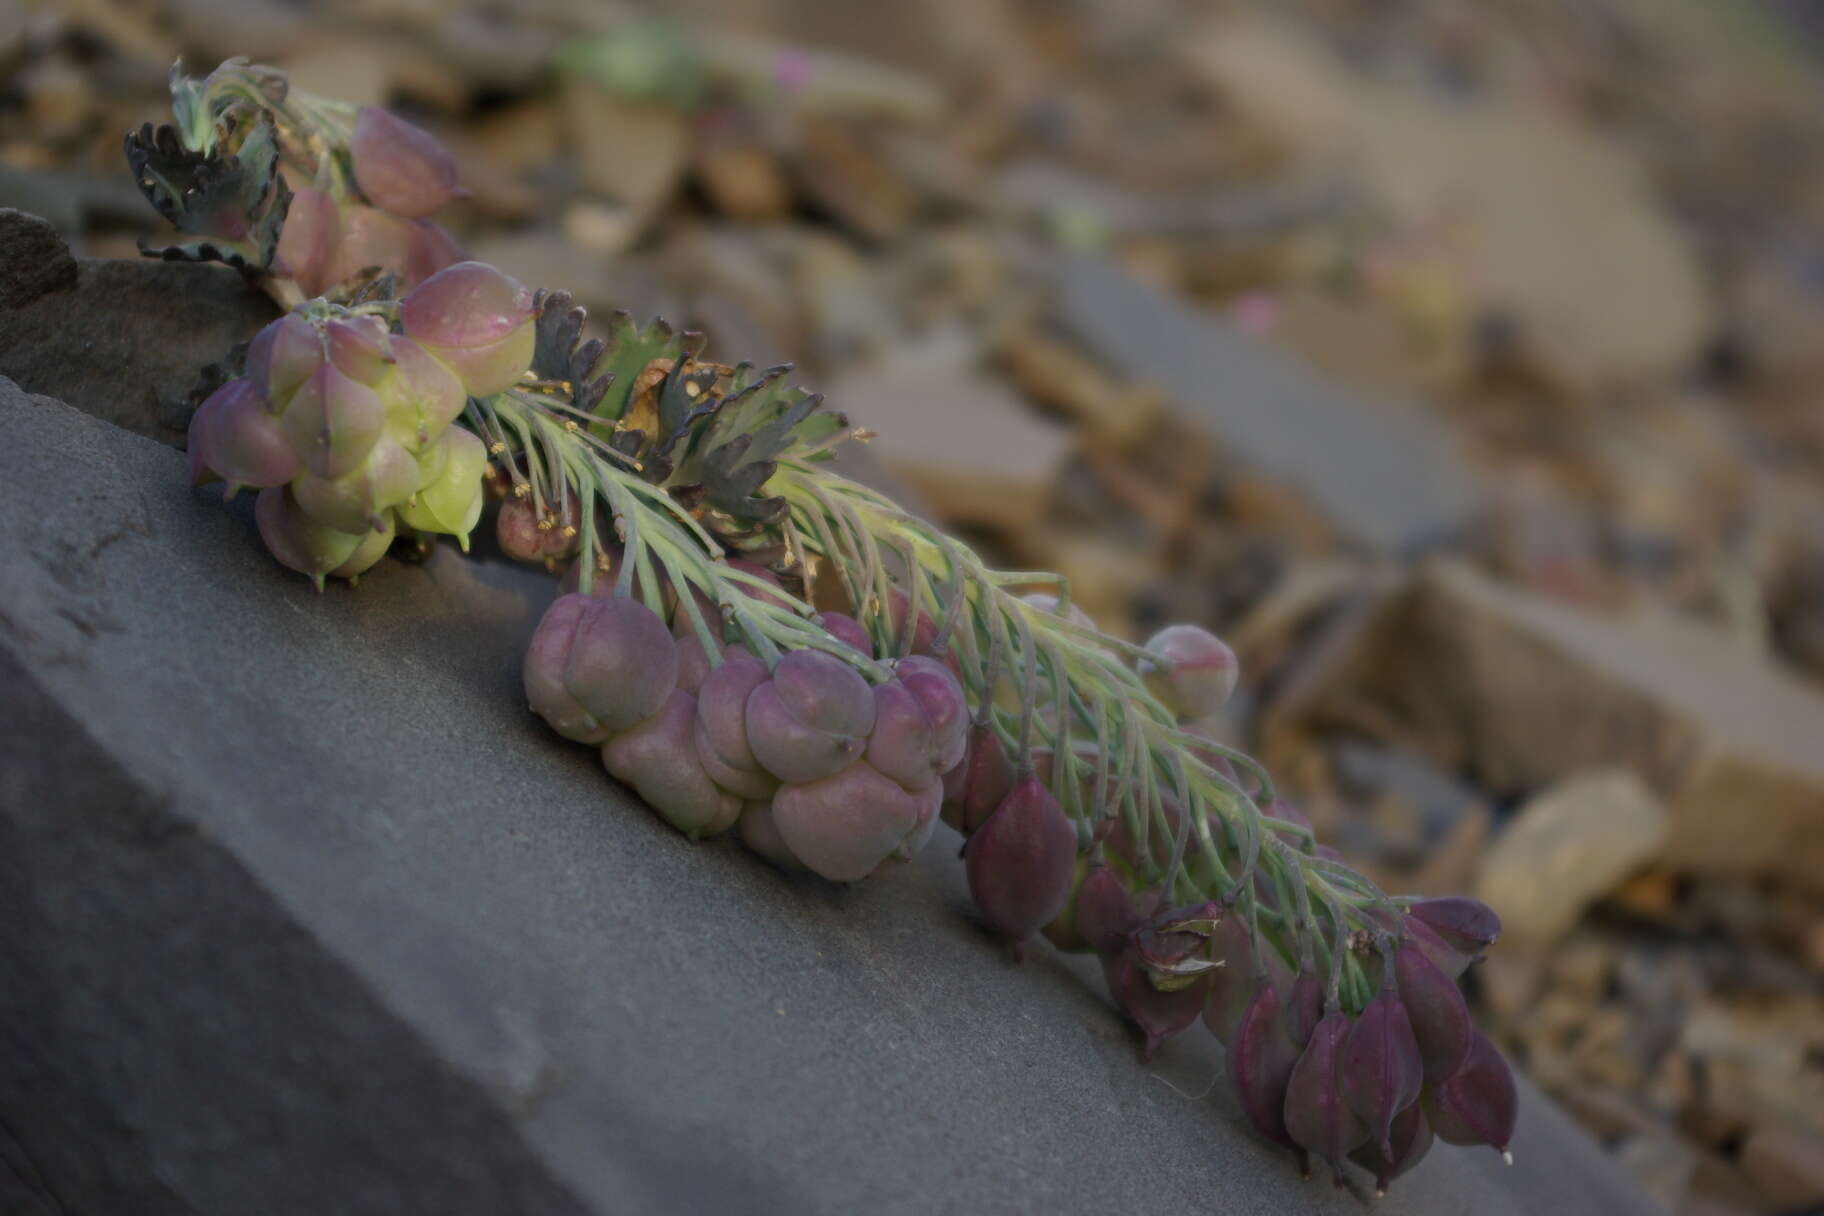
(812, 719)
(1192, 671)
(924, 631)
(401, 168)
(368, 241)
(475, 319)
(622, 665)
(428, 248)
(941, 694)
(1478, 1104)
(1159, 1014)
(1261, 1058)
(1318, 1118)
(1381, 1068)
(657, 758)
(1440, 1018)
(1411, 1141)
(451, 501)
(979, 782)
(845, 628)
(517, 529)
(1020, 863)
(1106, 912)
(360, 347)
(1465, 924)
(360, 500)
(305, 545)
(844, 826)
(234, 436)
(1061, 930)
(422, 396)
(720, 731)
(547, 658)
(282, 356)
(919, 720)
(332, 422)
(307, 241)
(761, 834)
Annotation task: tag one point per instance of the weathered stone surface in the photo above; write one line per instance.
(1521, 690)
(35, 257)
(1380, 473)
(1565, 848)
(108, 339)
(301, 911)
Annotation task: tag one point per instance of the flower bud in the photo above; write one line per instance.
(1382, 1070)
(1261, 1058)
(1464, 924)
(361, 500)
(1440, 1018)
(1317, 1116)
(1191, 671)
(307, 241)
(451, 502)
(303, 543)
(979, 783)
(332, 422)
(657, 758)
(1020, 862)
(812, 719)
(234, 436)
(720, 731)
(1478, 1103)
(475, 319)
(401, 168)
(1411, 1141)
(844, 826)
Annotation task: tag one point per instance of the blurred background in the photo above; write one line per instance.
(1459, 363)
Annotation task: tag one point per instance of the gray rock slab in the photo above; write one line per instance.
(301, 911)
(1384, 474)
(103, 334)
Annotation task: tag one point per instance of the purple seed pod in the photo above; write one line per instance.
(368, 240)
(300, 542)
(721, 728)
(844, 826)
(1382, 1070)
(1318, 1118)
(1261, 1058)
(1445, 957)
(919, 723)
(761, 834)
(657, 758)
(1061, 930)
(1106, 912)
(924, 632)
(812, 719)
(979, 783)
(450, 502)
(332, 422)
(1478, 1103)
(475, 319)
(928, 800)
(1305, 1006)
(547, 657)
(429, 248)
(1232, 988)
(1159, 1014)
(1411, 1141)
(422, 396)
(845, 628)
(1440, 1018)
(307, 241)
(282, 356)
(233, 435)
(622, 665)
(360, 347)
(360, 501)
(399, 167)
(1192, 671)
(1464, 924)
(1020, 863)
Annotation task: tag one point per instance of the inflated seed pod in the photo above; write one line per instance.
(422, 396)
(234, 436)
(1020, 863)
(311, 547)
(1159, 1013)
(1191, 670)
(400, 167)
(307, 241)
(1318, 1118)
(1381, 1067)
(1478, 1103)
(547, 658)
(845, 628)
(1262, 1055)
(332, 421)
(658, 759)
(1440, 1018)
(720, 731)
(812, 719)
(451, 501)
(979, 782)
(761, 834)
(845, 825)
(475, 319)
(1466, 925)
(919, 720)
(1411, 1140)
(362, 498)
(1106, 912)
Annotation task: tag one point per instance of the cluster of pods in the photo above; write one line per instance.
(343, 418)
